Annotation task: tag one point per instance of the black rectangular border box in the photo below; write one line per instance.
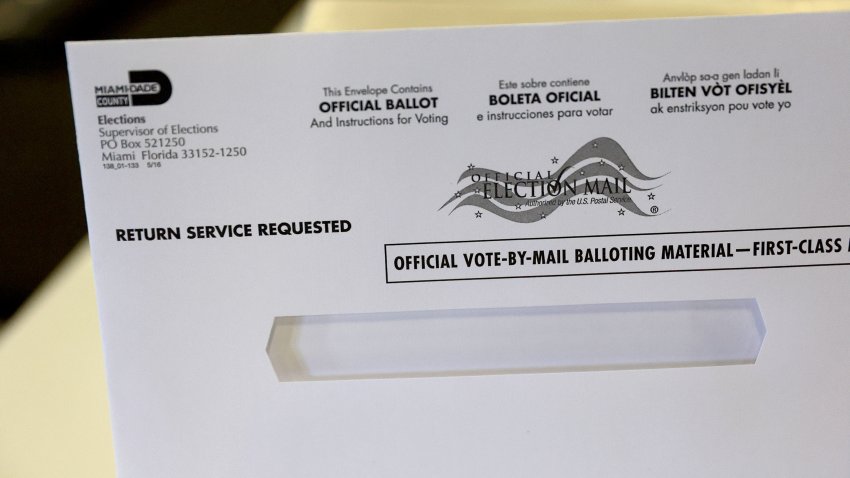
(541, 276)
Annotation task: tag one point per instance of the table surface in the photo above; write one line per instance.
(54, 419)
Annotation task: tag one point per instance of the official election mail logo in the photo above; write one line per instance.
(600, 173)
(145, 88)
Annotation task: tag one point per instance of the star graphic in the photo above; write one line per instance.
(582, 172)
(519, 206)
(651, 196)
(602, 162)
(595, 145)
(622, 167)
(555, 160)
(471, 166)
(458, 194)
(477, 190)
(542, 215)
(477, 214)
(621, 212)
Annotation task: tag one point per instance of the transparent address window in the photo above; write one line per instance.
(516, 340)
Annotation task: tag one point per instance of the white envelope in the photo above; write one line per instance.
(355, 254)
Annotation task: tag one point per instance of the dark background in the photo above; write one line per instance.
(41, 202)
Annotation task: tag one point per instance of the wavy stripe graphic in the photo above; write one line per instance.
(610, 163)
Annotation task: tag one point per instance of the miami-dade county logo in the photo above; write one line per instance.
(598, 173)
(146, 88)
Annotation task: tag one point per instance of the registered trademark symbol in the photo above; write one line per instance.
(654, 209)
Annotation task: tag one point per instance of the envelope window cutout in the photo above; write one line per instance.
(516, 340)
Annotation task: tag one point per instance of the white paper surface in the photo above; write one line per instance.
(734, 197)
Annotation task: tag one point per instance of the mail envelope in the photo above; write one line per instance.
(356, 254)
